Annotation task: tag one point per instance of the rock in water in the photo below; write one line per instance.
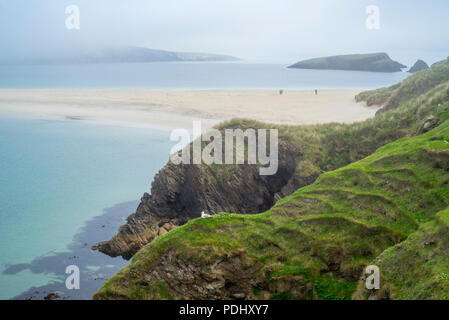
(419, 66)
(52, 296)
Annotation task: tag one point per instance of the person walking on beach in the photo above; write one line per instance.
(316, 91)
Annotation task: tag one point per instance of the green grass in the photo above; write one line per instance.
(418, 268)
(315, 243)
(410, 88)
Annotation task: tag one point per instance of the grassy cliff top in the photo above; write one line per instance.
(417, 268)
(377, 62)
(313, 244)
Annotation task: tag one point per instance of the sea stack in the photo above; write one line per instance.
(419, 66)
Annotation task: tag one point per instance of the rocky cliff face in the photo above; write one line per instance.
(180, 192)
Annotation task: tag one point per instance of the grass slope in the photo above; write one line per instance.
(315, 243)
(416, 269)
(410, 88)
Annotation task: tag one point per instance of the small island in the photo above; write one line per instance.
(375, 62)
(419, 66)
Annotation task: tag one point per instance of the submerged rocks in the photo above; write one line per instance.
(52, 296)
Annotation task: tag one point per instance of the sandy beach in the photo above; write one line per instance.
(177, 108)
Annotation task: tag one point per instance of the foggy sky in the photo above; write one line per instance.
(281, 30)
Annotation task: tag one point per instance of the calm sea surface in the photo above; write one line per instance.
(186, 75)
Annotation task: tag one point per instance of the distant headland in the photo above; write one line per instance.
(118, 54)
(375, 62)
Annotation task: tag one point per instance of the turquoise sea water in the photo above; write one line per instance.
(56, 175)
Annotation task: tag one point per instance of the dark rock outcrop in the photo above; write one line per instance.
(430, 123)
(180, 192)
(189, 279)
(52, 296)
(419, 66)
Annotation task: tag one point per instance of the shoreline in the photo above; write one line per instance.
(168, 109)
